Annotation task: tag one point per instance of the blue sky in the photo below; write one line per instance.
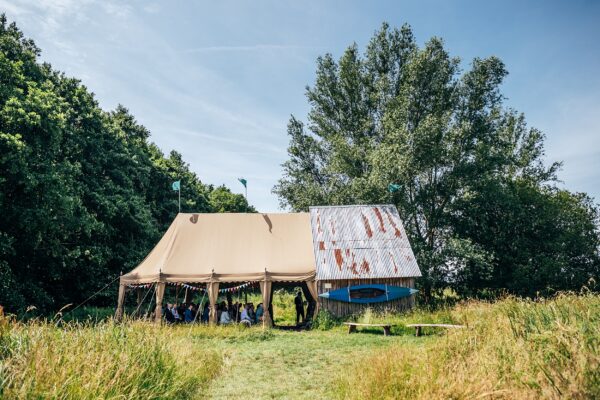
(217, 81)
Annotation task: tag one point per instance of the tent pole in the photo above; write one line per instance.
(312, 287)
(265, 288)
(120, 302)
(160, 292)
(213, 295)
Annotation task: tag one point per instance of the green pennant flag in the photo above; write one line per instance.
(243, 181)
(394, 187)
(176, 185)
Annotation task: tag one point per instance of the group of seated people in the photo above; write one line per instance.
(226, 314)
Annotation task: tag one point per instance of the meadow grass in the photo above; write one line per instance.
(511, 349)
(40, 360)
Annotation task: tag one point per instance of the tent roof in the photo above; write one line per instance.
(230, 248)
(347, 242)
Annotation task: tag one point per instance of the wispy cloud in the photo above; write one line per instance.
(239, 142)
(250, 48)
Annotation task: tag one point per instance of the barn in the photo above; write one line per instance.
(345, 258)
(363, 247)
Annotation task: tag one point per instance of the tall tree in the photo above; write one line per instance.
(407, 115)
(84, 194)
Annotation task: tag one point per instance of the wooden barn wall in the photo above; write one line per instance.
(342, 309)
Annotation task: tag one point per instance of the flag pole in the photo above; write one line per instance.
(244, 182)
(177, 186)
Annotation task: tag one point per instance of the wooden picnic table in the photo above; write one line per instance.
(352, 327)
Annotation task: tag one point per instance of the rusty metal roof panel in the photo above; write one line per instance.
(366, 241)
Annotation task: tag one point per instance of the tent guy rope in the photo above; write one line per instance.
(86, 300)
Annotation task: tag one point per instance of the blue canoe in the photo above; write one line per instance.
(365, 294)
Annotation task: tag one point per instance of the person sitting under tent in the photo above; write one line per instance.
(258, 316)
(221, 307)
(245, 318)
(205, 312)
(236, 311)
(225, 317)
(175, 313)
(189, 314)
(168, 313)
(251, 312)
(229, 301)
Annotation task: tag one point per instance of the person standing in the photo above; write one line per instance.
(299, 308)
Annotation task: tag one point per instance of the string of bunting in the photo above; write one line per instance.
(238, 288)
(144, 286)
(201, 289)
(225, 290)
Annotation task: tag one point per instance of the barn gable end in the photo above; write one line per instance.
(361, 242)
(364, 244)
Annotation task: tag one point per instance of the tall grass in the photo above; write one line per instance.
(105, 360)
(513, 349)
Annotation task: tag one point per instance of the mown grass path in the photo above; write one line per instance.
(288, 365)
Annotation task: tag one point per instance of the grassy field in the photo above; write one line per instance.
(511, 349)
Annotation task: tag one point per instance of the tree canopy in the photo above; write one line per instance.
(84, 194)
(468, 175)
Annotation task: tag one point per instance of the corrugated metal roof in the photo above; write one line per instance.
(367, 241)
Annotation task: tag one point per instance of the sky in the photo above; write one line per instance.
(218, 81)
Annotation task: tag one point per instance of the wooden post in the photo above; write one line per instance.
(265, 289)
(160, 292)
(213, 295)
(120, 302)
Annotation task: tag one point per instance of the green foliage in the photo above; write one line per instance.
(472, 189)
(222, 200)
(542, 240)
(325, 321)
(84, 194)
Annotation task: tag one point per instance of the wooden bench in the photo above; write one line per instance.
(419, 326)
(352, 327)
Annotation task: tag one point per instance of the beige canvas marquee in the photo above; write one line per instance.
(219, 248)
